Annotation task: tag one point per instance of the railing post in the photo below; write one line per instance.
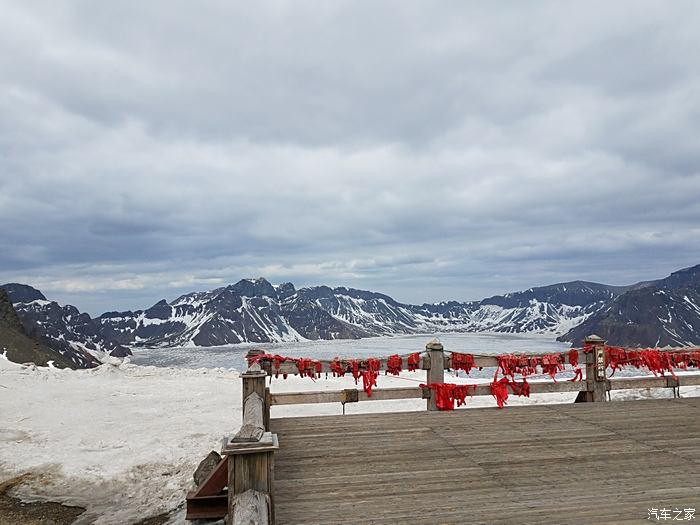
(254, 381)
(251, 456)
(436, 373)
(596, 380)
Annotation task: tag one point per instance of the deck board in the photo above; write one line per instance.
(578, 463)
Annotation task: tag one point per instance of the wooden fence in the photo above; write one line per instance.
(248, 465)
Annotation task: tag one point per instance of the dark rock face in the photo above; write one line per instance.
(665, 312)
(63, 328)
(8, 316)
(20, 346)
(575, 293)
(22, 293)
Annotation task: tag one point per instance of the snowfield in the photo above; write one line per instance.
(123, 440)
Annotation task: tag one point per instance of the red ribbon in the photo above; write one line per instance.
(446, 394)
(463, 362)
(413, 361)
(393, 364)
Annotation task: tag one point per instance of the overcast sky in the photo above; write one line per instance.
(428, 150)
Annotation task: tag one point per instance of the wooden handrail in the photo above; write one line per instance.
(481, 389)
(480, 360)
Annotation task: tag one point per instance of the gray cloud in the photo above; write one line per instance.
(446, 150)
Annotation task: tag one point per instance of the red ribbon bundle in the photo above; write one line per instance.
(308, 367)
(552, 364)
(512, 364)
(573, 361)
(276, 361)
(413, 361)
(369, 376)
(573, 357)
(656, 361)
(499, 390)
(463, 362)
(446, 394)
(338, 368)
(393, 365)
(683, 360)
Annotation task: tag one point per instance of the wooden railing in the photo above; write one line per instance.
(250, 452)
(593, 388)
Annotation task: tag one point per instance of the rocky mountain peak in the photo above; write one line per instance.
(258, 287)
(285, 290)
(22, 293)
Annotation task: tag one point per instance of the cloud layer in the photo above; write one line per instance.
(445, 150)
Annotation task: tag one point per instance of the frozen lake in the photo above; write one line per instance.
(234, 356)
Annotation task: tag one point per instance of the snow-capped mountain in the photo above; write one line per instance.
(660, 313)
(253, 310)
(21, 345)
(546, 309)
(63, 328)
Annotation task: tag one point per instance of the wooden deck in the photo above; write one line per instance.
(578, 463)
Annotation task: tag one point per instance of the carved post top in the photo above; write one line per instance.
(253, 352)
(254, 370)
(594, 340)
(434, 344)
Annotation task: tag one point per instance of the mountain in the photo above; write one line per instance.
(665, 311)
(21, 347)
(253, 310)
(546, 309)
(63, 328)
(659, 313)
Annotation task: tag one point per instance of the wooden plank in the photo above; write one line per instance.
(354, 469)
(388, 394)
(689, 380)
(336, 396)
(653, 382)
(206, 507)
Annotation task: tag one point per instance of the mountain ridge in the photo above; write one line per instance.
(64, 329)
(665, 312)
(20, 346)
(254, 310)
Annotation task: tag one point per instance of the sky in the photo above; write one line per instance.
(428, 150)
